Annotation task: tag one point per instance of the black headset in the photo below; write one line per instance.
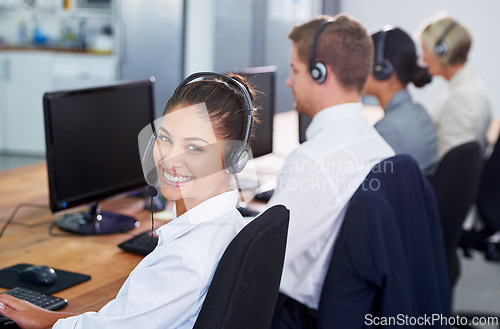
(382, 68)
(441, 48)
(317, 69)
(235, 158)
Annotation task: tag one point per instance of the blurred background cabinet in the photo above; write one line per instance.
(3, 78)
(72, 71)
(26, 76)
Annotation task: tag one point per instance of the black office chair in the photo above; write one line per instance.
(455, 184)
(245, 285)
(389, 257)
(488, 207)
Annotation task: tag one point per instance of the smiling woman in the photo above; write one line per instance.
(198, 146)
(202, 138)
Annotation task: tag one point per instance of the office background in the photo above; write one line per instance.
(169, 39)
(132, 39)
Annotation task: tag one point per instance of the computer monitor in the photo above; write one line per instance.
(92, 153)
(263, 79)
(304, 122)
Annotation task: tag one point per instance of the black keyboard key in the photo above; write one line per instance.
(141, 244)
(45, 301)
(264, 195)
(245, 212)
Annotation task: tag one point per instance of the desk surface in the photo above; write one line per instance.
(97, 256)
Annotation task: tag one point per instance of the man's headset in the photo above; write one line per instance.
(382, 68)
(317, 69)
(441, 49)
(235, 158)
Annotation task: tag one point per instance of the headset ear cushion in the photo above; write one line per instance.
(241, 160)
(236, 155)
(382, 70)
(441, 49)
(318, 72)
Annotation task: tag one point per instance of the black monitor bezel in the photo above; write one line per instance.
(247, 73)
(54, 201)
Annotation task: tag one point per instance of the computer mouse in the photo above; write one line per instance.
(38, 274)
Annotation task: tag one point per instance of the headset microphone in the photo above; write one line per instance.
(152, 191)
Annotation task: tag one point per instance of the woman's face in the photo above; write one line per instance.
(433, 62)
(188, 156)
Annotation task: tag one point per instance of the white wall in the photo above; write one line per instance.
(480, 16)
(200, 36)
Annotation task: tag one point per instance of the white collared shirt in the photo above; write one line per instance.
(463, 113)
(168, 287)
(315, 183)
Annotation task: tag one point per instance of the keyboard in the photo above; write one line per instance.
(45, 301)
(144, 243)
(245, 212)
(141, 244)
(264, 195)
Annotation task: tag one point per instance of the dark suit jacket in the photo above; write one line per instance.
(388, 263)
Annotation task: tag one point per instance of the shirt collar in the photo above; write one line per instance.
(402, 96)
(214, 207)
(207, 211)
(465, 73)
(337, 113)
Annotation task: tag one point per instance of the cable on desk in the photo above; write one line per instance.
(14, 212)
(62, 235)
(152, 219)
(40, 223)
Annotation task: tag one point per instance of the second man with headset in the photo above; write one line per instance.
(330, 62)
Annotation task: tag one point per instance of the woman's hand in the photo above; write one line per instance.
(27, 315)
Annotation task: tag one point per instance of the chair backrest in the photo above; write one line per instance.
(245, 285)
(488, 198)
(455, 184)
(389, 256)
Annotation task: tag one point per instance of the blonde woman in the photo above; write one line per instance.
(463, 113)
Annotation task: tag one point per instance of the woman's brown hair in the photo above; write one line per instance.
(227, 106)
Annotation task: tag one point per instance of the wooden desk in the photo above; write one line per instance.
(97, 256)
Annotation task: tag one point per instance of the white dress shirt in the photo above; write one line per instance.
(315, 183)
(168, 287)
(463, 112)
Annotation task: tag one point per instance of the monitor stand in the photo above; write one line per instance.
(94, 222)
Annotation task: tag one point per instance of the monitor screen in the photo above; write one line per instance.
(263, 79)
(91, 141)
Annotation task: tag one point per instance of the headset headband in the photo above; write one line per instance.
(379, 57)
(240, 86)
(446, 31)
(312, 53)
(440, 47)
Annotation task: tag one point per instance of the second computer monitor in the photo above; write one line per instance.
(263, 79)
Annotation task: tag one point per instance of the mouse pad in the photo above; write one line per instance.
(9, 279)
